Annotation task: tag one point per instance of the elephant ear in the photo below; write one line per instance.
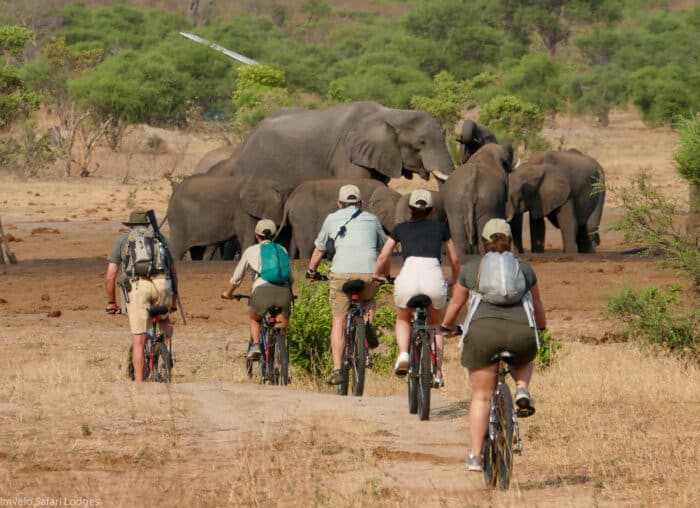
(466, 135)
(505, 157)
(548, 189)
(264, 199)
(374, 144)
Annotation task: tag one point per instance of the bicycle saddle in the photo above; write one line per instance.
(157, 310)
(353, 287)
(506, 356)
(419, 301)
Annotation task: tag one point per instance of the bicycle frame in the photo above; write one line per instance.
(350, 362)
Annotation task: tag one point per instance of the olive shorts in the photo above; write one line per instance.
(271, 295)
(144, 293)
(339, 301)
(488, 336)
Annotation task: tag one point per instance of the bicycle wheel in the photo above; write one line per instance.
(504, 437)
(359, 357)
(280, 367)
(489, 463)
(130, 364)
(248, 362)
(161, 363)
(266, 351)
(346, 364)
(425, 377)
(413, 370)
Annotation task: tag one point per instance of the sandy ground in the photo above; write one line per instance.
(74, 428)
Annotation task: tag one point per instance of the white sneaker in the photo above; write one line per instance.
(401, 365)
(475, 463)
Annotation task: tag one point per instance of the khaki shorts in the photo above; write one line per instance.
(143, 294)
(340, 302)
(488, 336)
(270, 295)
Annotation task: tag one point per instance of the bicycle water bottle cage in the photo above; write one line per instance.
(506, 356)
(353, 288)
(157, 310)
(419, 301)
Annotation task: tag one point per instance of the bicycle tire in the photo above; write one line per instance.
(345, 366)
(248, 362)
(161, 364)
(130, 364)
(359, 357)
(504, 437)
(266, 355)
(425, 378)
(489, 463)
(281, 368)
(412, 377)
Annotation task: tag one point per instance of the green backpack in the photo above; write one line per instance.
(274, 263)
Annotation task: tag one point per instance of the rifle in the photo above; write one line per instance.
(168, 260)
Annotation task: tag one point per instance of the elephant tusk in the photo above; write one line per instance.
(440, 175)
(517, 164)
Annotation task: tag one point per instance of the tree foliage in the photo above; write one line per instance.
(514, 120)
(16, 99)
(259, 91)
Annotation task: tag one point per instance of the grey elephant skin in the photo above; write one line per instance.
(473, 136)
(219, 161)
(206, 210)
(354, 140)
(568, 188)
(438, 212)
(476, 192)
(311, 202)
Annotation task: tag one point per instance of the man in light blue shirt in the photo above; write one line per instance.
(356, 253)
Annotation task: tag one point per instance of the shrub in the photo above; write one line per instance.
(656, 317)
(549, 349)
(310, 328)
(514, 120)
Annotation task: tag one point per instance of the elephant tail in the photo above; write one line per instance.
(593, 222)
(285, 220)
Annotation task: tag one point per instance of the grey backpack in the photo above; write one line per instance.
(501, 280)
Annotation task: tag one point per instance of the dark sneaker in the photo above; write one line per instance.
(439, 382)
(253, 351)
(371, 336)
(524, 402)
(335, 378)
(475, 463)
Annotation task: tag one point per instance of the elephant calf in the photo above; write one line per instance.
(310, 203)
(567, 187)
(205, 210)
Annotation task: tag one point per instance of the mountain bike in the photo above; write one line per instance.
(355, 352)
(274, 354)
(422, 358)
(157, 361)
(503, 436)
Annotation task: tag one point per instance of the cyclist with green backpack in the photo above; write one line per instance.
(272, 282)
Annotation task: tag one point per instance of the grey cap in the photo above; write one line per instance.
(137, 218)
(349, 194)
(494, 226)
(420, 198)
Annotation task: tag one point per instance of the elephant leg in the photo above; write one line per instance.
(568, 227)
(584, 241)
(212, 252)
(516, 228)
(537, 232)
(229, 249)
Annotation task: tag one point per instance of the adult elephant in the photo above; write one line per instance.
(438, 212)
(310, 203)
(206, 210)
(567, 187)
(476, 192)
(218, 161)
(354, 140)
(472, 137)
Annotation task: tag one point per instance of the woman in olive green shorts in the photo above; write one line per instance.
(492, 329)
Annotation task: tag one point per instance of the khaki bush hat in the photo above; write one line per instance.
(494, 226)
(137, 218)
(349, 194)
(263, 225)
(420, 198)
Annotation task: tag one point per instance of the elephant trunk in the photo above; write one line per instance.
(438, 163)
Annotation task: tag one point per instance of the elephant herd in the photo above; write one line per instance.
(289, 169)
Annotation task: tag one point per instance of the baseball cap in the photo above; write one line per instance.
(494, 226)
(265, 225)
(137, 218)
(420, 198)
(349, 194)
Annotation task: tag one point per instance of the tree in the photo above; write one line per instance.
(687, 158)
(16, 100)
(448, 99)
(514, 120)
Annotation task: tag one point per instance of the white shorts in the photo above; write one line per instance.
(420, 276)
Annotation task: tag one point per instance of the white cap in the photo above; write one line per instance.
(420, 198)
(349, 194)
(265, 225)
(494, 226)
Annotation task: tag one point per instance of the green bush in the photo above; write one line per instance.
(513, 120)
(653, 316)
(549, 349)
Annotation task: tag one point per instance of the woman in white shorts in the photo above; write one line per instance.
(422, 241)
